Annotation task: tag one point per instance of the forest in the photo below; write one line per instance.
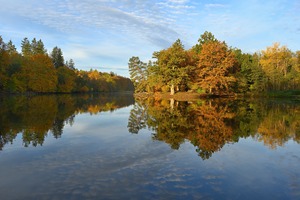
(211, 67)
(35, 71)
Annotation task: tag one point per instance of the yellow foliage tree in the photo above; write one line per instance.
(39, 74)
(276, 61)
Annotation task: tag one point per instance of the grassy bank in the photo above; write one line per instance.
(284, 94)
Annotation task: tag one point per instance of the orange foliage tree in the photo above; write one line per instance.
(213, 71)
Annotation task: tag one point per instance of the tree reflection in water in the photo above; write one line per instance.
(210, 124)
(207, 124)
(36, 116)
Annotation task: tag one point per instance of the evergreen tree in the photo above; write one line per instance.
(138, 73)
(26, 47)
(70, 64)
(4, 62)
(206, 37)
(38, 47)
(11, 48)
(2, 44)
(57, 57)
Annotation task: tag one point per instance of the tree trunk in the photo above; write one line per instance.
(172, 104)
(172, 90)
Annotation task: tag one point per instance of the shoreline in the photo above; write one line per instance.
(192, 96)
(181, 96)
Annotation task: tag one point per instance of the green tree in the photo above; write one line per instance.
(206, 37)
(57, 57)
(15, 65)
(26, 47)
(4, 63)
(172, 64)
(137, 119)
(250, 77)
(70, 64)
(154, 79)
(11, 48)
(38, 47)
(66, 79)
(138, 73)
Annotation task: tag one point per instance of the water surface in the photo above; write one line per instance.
(110, 147)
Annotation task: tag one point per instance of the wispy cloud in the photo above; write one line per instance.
(142, 18)
(215, 5)
(178, 1)
(114, 30)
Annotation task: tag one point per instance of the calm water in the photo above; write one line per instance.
(110, 147)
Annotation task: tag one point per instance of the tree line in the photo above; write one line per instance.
(34, 70)
(214, 68)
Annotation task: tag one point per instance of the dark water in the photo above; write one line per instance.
(108, 147)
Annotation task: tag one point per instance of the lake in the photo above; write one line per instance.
(112, 147)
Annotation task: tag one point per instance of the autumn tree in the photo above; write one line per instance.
(276, 62)
(210, 131)
(38, 74)
(280, 125)
(172, 63)
(294, 75)
(213, 71)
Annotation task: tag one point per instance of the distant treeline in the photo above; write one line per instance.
(34, 70)
(212, 67)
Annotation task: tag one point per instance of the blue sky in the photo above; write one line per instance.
(104, 34)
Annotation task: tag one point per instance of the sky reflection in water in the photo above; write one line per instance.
(97, 158)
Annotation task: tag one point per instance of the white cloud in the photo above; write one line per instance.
(215, 5)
